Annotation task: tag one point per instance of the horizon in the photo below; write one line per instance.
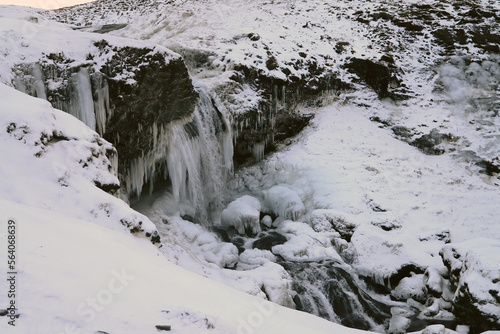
(44, 4)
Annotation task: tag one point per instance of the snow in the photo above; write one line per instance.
(95, 276)
(96, 279)
(66, 160)
(284, 202)
(254, 258)
(243, 214)
(27, 37)
(410, 287)
(397, 202)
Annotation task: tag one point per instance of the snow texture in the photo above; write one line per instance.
(284, 202)
(67, 163)
(243, 214)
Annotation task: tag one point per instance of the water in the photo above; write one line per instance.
(329, 290)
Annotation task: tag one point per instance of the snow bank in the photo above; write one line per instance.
(134, 288)
(56, 162)
(243, 214)
(284, 202)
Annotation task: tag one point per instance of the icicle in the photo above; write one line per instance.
(81, 104)
(103, 112)
(39, 82)
(258, 151)
(197, 167)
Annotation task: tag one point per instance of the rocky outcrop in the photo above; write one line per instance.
(259, 128)
(128, 94)
(159, 93)
(475, 275)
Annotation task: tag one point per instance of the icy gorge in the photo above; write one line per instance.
(267, 166)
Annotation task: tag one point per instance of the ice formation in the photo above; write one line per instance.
(284, 202)
(195, 158)
(243, 214)
(87, 94)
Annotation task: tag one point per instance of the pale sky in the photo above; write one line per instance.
(46, 4)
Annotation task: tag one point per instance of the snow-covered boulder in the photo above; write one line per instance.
(475, 269)
(284, 202)
(325, 219)
(254, 258)
(388, 256)
(243, 214)
(398, 324)
(410, 287)
(304, 244)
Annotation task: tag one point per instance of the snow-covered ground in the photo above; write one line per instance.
(77, 277)
(349, 188)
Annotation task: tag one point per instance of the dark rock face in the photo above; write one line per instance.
(402, 132)
(162, 93)
(276, 117)
(472, 23)
(430, 143)
(268, 240)
(377, 76)
(329, 290)
(127, 101)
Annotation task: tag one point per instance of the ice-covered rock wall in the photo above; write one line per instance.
(194, 159)
(131, 96)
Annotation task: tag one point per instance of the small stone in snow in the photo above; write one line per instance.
(163, 327)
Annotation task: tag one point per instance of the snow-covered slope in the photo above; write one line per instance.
(53, 161)
(77, 277)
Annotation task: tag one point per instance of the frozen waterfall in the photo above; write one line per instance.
(192, 159)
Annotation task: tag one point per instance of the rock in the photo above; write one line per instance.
(445, 37)
(402, 132)
(398, 324)
(434, 329)
(324, 220)
(163, 327)
(284, 202)
(254, 258)
(243, 214)
(474, 268)
(443, 235)
(269, 240)
(433, 281)
(377, 76)
(431, 143)
(410, 287)
(267, 221)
